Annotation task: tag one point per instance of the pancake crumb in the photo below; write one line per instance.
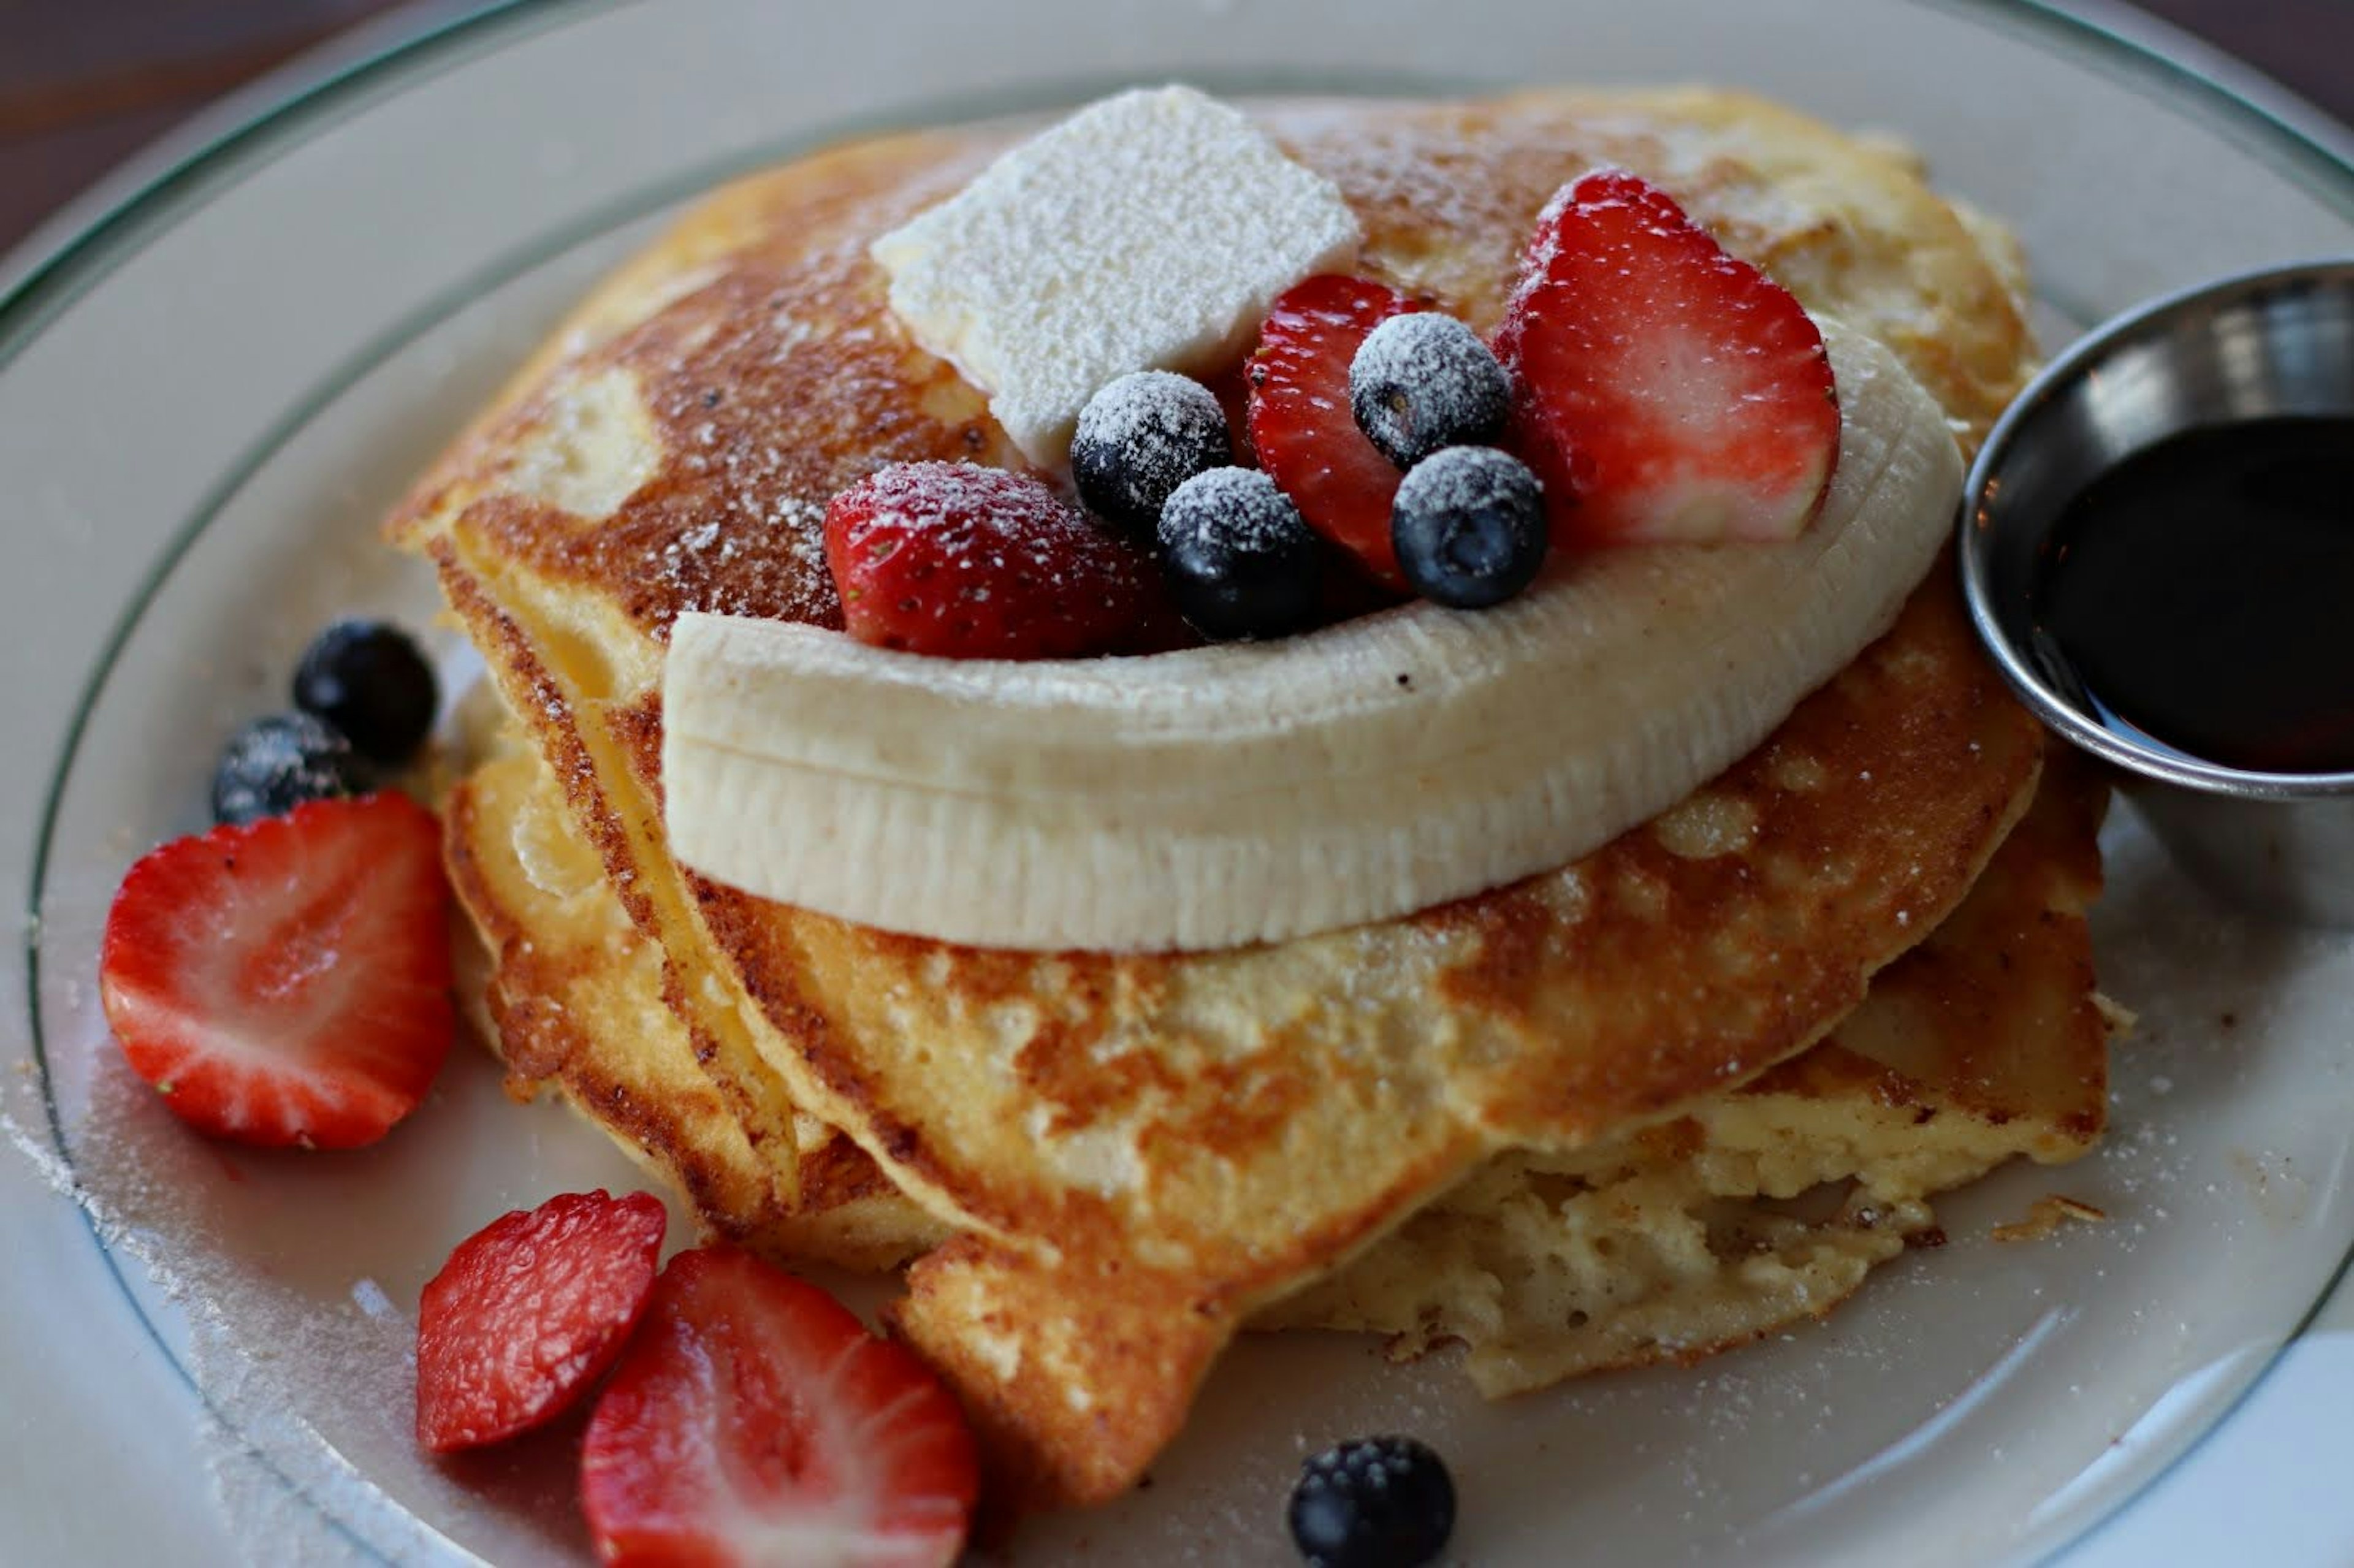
(2046, 1215)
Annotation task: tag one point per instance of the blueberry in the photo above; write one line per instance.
(1373, 1502)
(1240, 560)
(274, 763)
(1469, 527)
(1424, 381)
(367, 680)
(1140, 439)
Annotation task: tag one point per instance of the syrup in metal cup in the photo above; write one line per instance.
(2151, 544)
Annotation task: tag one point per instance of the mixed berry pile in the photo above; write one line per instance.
(364, 701)
(285, 978)
(1645, 387)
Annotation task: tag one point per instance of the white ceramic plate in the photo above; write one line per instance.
(209, 393)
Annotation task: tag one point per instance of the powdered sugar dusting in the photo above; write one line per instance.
(285, 1287)
(986, 504)
(1140, 438)
(1148, 231)
(54, 1173)
(1425, 380)
(1154, 408)
(1451, 201)
(1237, 511)
(1462, 480)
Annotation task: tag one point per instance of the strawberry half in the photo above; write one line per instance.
(1664, 391)
(287, 982)
(528, 1312)
(963, 562)
(1301, 429)
(754, 1421)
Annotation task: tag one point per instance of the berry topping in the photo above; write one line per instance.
(1140, 438)
(964, 562)
(1664, 391)
(1469, 525)
(528, 1312)
(1301, 429)
(275, 764)
(1424, 381)
(1240, 561)
(755, 1420)
(368, 680)
(1373, 1502)
(287, 982)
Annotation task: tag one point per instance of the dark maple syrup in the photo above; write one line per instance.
(2201, 593)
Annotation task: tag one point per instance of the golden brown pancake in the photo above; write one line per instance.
(571, 998)
(1753, 1209)
(1771, 1202)
(1141, 1151)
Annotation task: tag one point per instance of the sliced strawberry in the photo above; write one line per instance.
(1664, 389)
(965, 562)
(287, 982)
(1301, 429)
(529, 1312)
(755, 1421)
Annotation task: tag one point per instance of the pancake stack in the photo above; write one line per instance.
(1646, 1105)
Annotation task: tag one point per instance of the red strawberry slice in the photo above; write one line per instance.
(755, 1421)
(287, 982)
(1664, 391)
(1301, 429)
(529, 1312)
(963, 562)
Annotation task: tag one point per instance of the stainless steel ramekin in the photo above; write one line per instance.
(2279, 342)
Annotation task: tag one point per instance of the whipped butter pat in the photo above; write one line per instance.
(1149, 231)
(1218, 796)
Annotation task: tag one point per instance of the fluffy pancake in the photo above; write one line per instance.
(1771, 1202)
(572, 999)
(1142, 1152)
(1984, 1043)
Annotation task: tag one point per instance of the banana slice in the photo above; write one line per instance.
(1254, 792)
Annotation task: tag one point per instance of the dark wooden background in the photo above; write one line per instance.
(85, 83)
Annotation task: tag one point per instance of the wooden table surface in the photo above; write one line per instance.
(83, 85)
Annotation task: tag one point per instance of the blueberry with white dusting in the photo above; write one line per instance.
(1373, 1502)
(1469, 525)
(368, 680)
(275, 764)
(1240, 560)
(1423, 381)
(1140, 439)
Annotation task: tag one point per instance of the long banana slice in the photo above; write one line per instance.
(1253, 792)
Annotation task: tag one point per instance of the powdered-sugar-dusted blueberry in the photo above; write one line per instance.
(1424, 381)
(276, 762)
(1140, 439)
(1373, 1502)
(1240, 560)
(1469, 526)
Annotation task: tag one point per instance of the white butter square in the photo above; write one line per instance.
(1149, 231)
